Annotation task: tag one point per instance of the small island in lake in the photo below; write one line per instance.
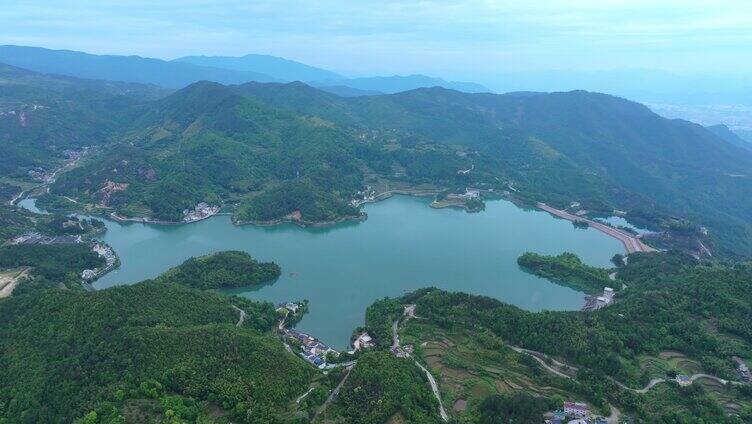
(222, 270)
(566, 269)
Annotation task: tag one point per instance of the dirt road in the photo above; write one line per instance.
(241, 320)
(10, 279)
(408, 313)
(333, 394)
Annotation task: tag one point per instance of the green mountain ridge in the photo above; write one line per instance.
(639, 161)
(134, 69)
(278, 149)
(43, 115)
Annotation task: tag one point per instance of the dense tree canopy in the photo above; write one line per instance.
(566, 269)
(67, 354)
(221, 270)
(381, 386)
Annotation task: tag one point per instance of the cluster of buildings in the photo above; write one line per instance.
(593, 303)
(470, 193)
(104, 251)
(108, 189)
(573, 412)
(683, 380)
(41, 175)
(201, 211)
(48, 176)
(402, 351)
(291, 307)
(314, 351)
(363, 341)
(365, 196)
(32, 237)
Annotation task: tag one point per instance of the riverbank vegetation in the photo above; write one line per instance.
(221, 270)
(566, 269)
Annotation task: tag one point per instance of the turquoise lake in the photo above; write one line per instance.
(402, 246)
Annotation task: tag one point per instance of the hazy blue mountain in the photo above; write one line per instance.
(725, 133)
(397, 83)
(644, 85)
(288, 70)
(345, 91)
(222, 69)
(121, 68)
(745, 135)
(280, 68)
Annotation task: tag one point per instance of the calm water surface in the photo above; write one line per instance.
(404, 245)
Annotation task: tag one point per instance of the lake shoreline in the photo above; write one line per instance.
(287, 220)
(301, 223)
(403, 246)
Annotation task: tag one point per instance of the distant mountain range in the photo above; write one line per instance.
(398, 83)
(121, 68)
(277, 67)
(181, 72)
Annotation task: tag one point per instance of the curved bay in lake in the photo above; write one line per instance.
(402, 246)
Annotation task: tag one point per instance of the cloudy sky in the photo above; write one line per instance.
(457, 39)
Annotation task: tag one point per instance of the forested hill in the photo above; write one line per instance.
(630, 157)
(143, 353)
(221, 270)
(292, 152)
(42, 115)
(208, 143)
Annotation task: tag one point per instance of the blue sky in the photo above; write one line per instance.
(455, 39)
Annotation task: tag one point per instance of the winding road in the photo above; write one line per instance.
(408, 313)
(540, 356)
(333, 394)
(241, 320)
(536, 355)
(49, 180)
